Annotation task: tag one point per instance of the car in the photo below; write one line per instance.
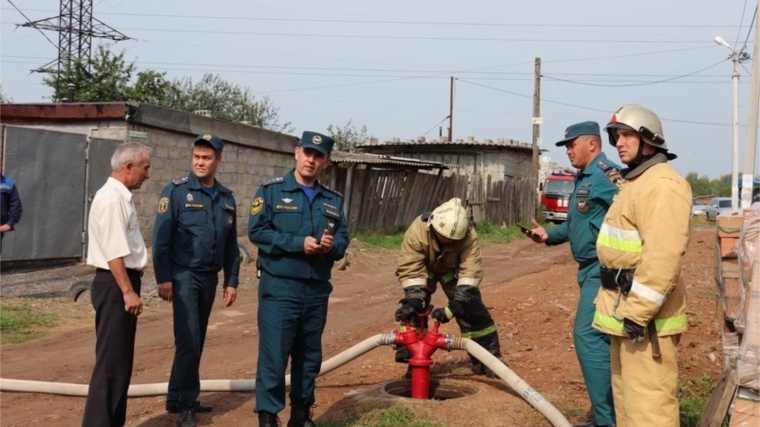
(697, 207)
(716, 206)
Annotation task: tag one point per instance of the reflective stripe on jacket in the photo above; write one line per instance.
(422, 258)
(647, 229)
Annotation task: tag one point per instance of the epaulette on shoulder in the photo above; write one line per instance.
(180, 181)
(332, 191)
(270, 181)
(606, 166)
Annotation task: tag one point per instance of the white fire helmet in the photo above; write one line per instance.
(643, 121)
(450, 220)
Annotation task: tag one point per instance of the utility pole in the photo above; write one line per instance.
(748, 178)
(76, 27)
(736, 57)
(537, 120)
(451, 109)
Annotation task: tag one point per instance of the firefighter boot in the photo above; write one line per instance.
(268, 420)
(489, 342)
(300, 416)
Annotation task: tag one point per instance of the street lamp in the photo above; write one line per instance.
(736, 57)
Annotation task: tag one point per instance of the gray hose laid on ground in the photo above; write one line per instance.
(157, 389)
(552, 414)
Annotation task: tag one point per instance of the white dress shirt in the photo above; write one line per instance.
(113, 230)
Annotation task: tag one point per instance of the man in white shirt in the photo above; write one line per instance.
(117, 250)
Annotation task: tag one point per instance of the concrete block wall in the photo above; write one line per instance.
(243, 168)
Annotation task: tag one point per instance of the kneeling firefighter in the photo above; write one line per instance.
(442, 247)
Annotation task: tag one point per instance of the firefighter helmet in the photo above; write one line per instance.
(450, 220)
(643, 121)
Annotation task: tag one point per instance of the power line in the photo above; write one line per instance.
(27, 18)
(634, 84)
(396, 22)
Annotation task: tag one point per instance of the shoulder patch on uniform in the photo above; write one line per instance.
(257, 205)
(270, 181)
(332, 191)
(616, 180)
(180, 181)
(163, 205)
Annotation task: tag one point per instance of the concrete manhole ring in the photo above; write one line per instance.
(439, 389)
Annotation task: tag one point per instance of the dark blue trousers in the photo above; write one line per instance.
(193, 298)
(291, 317)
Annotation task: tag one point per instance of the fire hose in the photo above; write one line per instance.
(522, 388)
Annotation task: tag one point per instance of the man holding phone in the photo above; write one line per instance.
(299, 227)
(595, 185)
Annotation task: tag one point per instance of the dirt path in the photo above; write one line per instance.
(530, 290)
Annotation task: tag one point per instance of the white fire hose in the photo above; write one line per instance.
(552, 414)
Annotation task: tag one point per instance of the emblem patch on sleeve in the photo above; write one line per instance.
(582, 205)
(258, 204)
(163, 205)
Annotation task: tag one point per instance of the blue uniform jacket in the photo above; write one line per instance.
(10, 207)
(594, 189)
(281, 219)
(194, 231)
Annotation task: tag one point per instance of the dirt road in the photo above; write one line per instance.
(530, 290)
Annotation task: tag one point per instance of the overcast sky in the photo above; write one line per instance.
(387, 65)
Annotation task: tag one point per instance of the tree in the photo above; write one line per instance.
(102, 78)
(4, 99)
(108, 78)
(348, 137)
(703, 186)
(226, 101)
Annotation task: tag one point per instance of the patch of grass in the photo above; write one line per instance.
(692, 400)
(701, 220)
(21, 323)
(367, 416)
(488, 232)
(392, 241)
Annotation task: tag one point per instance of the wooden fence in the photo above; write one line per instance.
(385, 201)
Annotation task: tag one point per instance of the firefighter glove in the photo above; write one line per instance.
(454, 309)
(409, 307)
(634, 330)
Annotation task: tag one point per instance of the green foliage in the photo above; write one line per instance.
(375, 417)
(106, 77)
(692, 400)
(488, 232)
(102, 78)
(348, 137)
(4, 99)
(704, 186)
(17, 323)
(392, 241)
(226, 101)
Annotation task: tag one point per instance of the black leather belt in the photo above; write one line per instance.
(130, 272)
(618, 278)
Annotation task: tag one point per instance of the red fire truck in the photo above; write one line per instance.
(555, 195)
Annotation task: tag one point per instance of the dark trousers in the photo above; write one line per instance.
(193, 298)
(114, 352)
(291, 317)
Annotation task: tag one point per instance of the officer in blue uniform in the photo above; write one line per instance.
(194, 237)
(595, 186)
(300, 230)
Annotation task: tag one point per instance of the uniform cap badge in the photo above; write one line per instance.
(316, 140)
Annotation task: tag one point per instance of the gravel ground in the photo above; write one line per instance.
(56, 281)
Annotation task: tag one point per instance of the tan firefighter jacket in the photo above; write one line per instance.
(422, 259)
(647, 229)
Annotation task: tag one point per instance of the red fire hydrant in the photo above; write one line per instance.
(421, 346)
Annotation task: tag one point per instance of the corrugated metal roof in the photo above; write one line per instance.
(443, 142)
(378, 159)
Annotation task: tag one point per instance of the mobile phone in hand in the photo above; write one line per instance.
(525, 229)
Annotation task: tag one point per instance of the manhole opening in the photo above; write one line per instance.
(439, 389)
